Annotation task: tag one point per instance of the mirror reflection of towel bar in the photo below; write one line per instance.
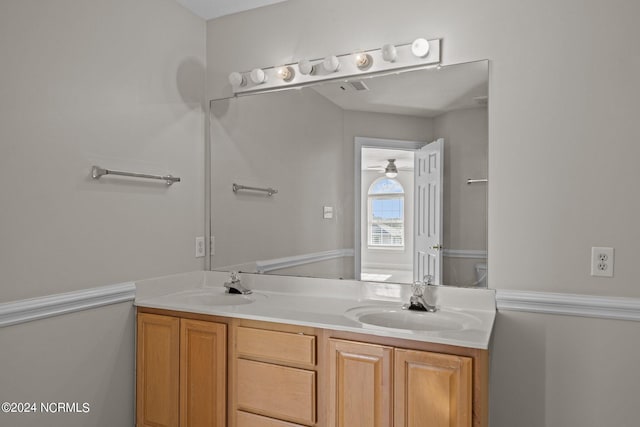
(477, 181)
(237, 187)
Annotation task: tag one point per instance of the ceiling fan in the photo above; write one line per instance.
(390, 170)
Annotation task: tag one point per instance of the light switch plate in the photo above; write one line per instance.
(327, 212)
(200, 247)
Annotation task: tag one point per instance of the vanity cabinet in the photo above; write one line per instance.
(196, 370)
(181, 372)
(376, 386)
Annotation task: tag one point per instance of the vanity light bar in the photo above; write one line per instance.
(420, 52)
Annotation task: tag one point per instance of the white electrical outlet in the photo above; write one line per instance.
(200, 247)
(602, 262)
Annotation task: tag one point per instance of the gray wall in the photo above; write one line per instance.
(562, 164)
(465, 206)
(111, 82)
(86, 356)
(104, 82)
(270, 141)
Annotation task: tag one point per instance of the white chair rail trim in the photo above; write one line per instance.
(27, 310)
(464, 253)
(265, 266)
(620, 308)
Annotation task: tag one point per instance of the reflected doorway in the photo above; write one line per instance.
(400, 210)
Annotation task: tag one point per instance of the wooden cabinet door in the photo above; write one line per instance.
(157, 370)
(203, 361)
(360, 384)
(432, 390)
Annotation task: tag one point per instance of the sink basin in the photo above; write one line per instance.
(214, 297)
(396, 318)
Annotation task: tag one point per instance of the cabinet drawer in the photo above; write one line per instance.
(276, 346)
(245, 419)
(277, 391)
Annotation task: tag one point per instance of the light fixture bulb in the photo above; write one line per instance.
(391, 171)
(389, 53)
(363, 61)
(420, 48)
(236, 79)
(258, 76)
(286, 73)
(331, 64)
(305, 67)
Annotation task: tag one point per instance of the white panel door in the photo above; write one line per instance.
(427, 230)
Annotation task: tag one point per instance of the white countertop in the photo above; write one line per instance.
(322, 303)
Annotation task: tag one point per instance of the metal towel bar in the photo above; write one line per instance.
(237, 187)
(476, 181)
(97, 172)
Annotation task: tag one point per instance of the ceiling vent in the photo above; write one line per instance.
(356, 85)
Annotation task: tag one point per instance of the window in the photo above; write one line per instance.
(386, 214)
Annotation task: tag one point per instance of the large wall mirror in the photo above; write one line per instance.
(381, 178)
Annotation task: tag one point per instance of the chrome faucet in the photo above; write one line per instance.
(234, 286)
(417, 302)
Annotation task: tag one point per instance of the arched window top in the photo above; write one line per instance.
(386, 186)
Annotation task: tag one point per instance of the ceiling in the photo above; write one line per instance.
(209, 9)
(424, 93)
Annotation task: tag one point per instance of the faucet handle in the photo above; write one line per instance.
(428, 279)
(417, 288)
(235, 277)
